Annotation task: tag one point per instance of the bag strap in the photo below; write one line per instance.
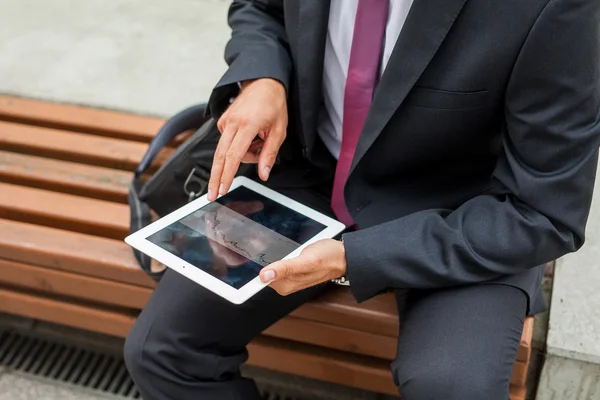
(191, 118)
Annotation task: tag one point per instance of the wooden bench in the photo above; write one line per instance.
(64, 175)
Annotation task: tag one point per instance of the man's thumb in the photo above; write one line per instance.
(276, 271)
(268, 275)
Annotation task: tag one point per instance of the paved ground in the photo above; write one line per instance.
(20, 387)
(146, 56)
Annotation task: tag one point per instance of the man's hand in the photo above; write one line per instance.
(319, 262)
(259, 110)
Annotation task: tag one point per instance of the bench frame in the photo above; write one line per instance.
(64, 175)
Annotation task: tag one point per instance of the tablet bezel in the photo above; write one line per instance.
(138, 241)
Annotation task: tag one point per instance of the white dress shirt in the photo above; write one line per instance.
(337, 57)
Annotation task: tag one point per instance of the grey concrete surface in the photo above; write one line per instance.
(574, 330)
(20, 387)
(575, 315)
(569, 379)
(572, 367)
(151, 57)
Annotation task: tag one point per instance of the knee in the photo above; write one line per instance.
(447, 382)
(132, 354)
(146, 367)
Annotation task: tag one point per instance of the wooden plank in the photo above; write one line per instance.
(518, 392)
(334, 337)
(378, 315)
(62, 283)
(74, 213)
(337, 307)
(519, 373)
(281, 355)
(79, 119)
(322, 364)
(309, 361)
(68, 251)
(100, 257)
(353, 341)
(366, 374)
(78, 316)
(106, 258)
(66, 177)
(75, 147)
(118, 294)
(524, 352)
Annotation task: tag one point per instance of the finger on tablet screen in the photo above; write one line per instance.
(233, 157)
(219, 160)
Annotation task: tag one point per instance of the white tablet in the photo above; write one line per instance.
(223, 245)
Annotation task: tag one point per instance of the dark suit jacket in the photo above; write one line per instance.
(478, 157)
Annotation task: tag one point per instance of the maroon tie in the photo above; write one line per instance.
(363, 74)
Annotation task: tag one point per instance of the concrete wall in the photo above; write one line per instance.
(572, 367)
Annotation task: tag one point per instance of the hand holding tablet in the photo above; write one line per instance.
(224, 245)
(319, 262)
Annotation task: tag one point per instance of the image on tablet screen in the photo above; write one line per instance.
(234, 237)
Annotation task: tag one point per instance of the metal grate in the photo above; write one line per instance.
(75, 365)
(65, 363)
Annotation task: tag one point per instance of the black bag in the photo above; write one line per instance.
(182, 178)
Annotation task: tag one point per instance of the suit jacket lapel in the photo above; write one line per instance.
(424, 31)
(312, 34)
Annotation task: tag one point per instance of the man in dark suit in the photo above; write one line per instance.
(458, 141)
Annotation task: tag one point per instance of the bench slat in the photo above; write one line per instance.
(334, 337)
(518, 392)
(112, 259)
(118, 294)
(80, 214)
(379, 313)
(85, 215)
(109, 219)
(76, 147)
(78, 118)
(79, 316)
(342, 368)
(524, 352)
(84, 254)
(72, 165)
(62, 283)
(63, 176)
(322, 364)
(285, 356)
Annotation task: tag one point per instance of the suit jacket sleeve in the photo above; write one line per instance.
(543, 181)
(258, 48)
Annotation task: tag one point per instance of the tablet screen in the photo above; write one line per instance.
(234, 237)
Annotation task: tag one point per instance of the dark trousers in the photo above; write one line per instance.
(455, 343)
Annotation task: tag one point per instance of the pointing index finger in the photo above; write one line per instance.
(234, 155)
(219, 160)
